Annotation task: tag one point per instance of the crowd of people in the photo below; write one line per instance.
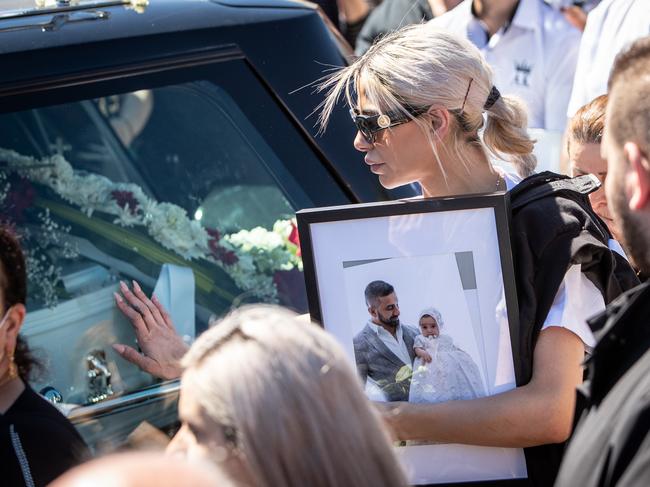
(268, 400)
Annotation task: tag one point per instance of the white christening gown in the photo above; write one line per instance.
(451, 375)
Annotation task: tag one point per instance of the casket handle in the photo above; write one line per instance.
(99, 377)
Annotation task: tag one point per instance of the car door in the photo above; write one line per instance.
(184, 177)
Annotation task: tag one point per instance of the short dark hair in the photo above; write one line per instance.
(376, 290)
(629, 95)
(13, 286)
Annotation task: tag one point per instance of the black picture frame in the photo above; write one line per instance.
(500, 206)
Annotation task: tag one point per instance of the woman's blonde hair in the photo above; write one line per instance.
(291, 400)
(420, 66)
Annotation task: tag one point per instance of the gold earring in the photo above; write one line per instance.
(13, 370)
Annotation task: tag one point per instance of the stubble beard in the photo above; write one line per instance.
(634, 230)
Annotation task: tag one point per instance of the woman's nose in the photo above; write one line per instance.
(361, 144)
(176, 446)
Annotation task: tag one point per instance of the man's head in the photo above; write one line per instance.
(382, 304)
(626, 146)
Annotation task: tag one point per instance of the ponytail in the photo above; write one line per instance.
(506, 137)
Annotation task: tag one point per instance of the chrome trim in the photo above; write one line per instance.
(111, 406)
(31, 12)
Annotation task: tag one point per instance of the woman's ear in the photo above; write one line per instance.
(440, 120)
(14, 321)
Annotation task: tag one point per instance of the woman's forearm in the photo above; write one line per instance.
(538, 413)
(511, 419)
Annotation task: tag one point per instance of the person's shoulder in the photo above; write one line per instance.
(361, 335)
(411, 330)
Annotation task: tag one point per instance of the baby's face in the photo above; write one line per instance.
(429, 326)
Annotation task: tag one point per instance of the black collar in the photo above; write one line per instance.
(623, 336)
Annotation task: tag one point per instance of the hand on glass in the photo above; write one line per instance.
(162, 348)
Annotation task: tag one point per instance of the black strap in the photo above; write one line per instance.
(543, 184)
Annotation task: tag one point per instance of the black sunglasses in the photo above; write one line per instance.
(369, 125)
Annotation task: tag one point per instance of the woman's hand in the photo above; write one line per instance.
(537, 413)
(162, 348)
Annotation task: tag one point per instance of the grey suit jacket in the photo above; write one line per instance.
(375, 360)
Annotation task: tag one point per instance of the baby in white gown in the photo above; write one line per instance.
(441, 370)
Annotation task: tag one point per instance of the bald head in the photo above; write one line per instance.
(141, 470)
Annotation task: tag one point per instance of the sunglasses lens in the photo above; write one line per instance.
(362, 126)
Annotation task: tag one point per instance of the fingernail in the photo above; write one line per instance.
(154, 298)
(123, 285)
(118, 348)
(117, 297)
(136, 286)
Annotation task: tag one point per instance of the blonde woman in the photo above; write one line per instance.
(420, 98)
(276, 402)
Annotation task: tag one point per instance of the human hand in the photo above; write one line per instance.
(576, 17)
(426, 357)
(162, 348)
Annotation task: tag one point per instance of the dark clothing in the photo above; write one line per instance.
(553, 228)
(389, 16)
(611, 445)
(37, 443)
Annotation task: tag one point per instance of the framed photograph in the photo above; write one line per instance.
(421, 294)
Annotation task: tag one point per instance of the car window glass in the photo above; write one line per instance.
(172, 187)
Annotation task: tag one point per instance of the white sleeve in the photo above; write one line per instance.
(576, 300)
(420, 341)
(560, 80)
(584, 68)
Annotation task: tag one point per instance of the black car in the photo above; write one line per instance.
(167, 142)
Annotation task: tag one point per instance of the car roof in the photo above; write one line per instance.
(23, 26)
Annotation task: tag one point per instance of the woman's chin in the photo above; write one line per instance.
(389, 182)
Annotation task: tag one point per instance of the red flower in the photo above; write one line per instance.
(214, 233)
(125, 199)
(226, 256)
(291, 289)
(294, 238)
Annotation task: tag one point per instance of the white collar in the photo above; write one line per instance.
(379, 330)
(527, 15)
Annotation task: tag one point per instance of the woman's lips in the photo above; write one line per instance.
(374, 166)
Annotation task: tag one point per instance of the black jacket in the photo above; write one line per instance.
(554, 227)
(37, 443)
(611, 445)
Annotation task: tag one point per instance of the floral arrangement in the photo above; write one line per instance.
(43, 246)
(251, 257)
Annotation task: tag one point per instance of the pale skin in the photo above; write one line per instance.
(586, 159)
(201, 438)
(428, 328)
(383, 309)
(10, 324)
(538, 413)
(494, 13)
(629, 172)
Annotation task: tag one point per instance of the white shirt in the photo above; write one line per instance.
(533, 57)
(610, 26)
(394, 343)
